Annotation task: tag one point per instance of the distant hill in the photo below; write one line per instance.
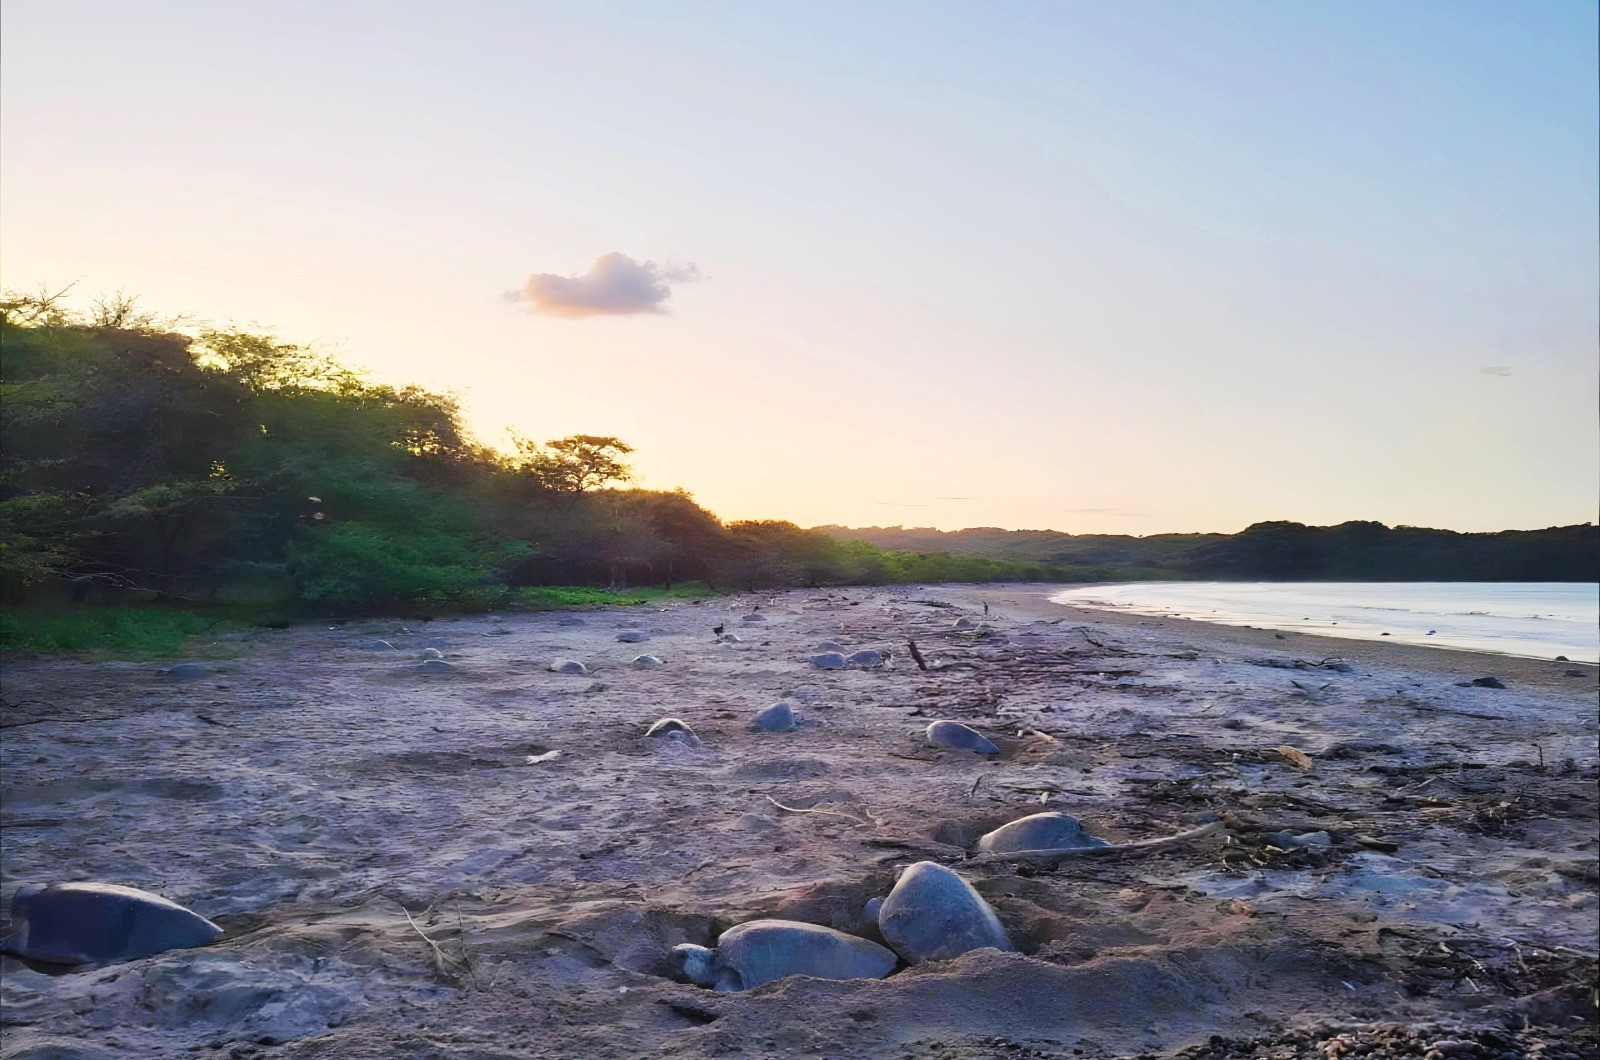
(1277, 551)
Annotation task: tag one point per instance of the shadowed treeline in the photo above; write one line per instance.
(231, 468)
(1279, 551)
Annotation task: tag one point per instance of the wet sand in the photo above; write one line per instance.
(305, 788)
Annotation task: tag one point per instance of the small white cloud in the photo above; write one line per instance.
(1494, 370)
(615, 285)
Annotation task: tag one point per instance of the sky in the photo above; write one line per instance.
(1112, 267)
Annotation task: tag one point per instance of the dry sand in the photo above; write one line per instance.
(304, 789)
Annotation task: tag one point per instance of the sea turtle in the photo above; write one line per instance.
(646, 662)
(829, 645)
(1041, 831)
(765, 950)
(959, 737)
(867, 659)
(568, 666)
(633, 636)
(82, 923)
(753, 618)
(777, 718)
(431, 653)
(933, 915)
(673, 729)
(828, 660)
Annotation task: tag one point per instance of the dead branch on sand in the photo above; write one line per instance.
(1144, 846)
(443, 963)
(827, 813)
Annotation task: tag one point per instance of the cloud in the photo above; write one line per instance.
(1494, 370)
(615, 285)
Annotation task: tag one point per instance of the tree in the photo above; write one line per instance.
(575, 464)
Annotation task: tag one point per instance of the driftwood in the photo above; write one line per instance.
(1300, 759)
(922, 664)
(1144, 846)
(825, 813)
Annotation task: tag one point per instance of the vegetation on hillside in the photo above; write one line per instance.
(233, 469)
(1276, 551)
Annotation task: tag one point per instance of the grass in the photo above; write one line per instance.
(116, 630)
(558, 597)
(155, 630)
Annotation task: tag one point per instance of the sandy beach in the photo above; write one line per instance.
(309, 788)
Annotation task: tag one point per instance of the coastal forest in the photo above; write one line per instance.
(230, 470)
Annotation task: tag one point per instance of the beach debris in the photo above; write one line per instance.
(956, 736)
(378, 644)
(828, 660)
(431, 653)
(548, 756)
(84, 923)
(646, 662)
(187, 672)
(673, 729)
(762, 951)
(1383, 846)
(568, 666)
(1040, 831)
(1487, 682)
(1338, 666)
(633, 636)
(964, 623)
(730, 638)
(824, 813)
(456, 965)
(777, 718)
(932, 914)
(1300, 759)
(867, 659)
(1287, 840)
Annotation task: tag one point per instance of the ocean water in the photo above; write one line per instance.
(1538, 620)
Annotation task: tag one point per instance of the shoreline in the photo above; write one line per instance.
(1034, 602)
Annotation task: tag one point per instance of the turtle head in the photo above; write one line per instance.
(697, 964)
